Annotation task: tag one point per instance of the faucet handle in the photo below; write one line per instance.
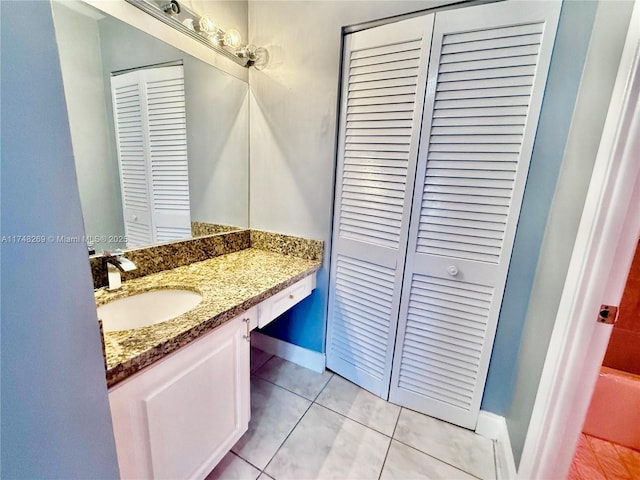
(113, 260)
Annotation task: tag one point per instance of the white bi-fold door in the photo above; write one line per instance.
(151, 137)
(384, 78)
(487, 68)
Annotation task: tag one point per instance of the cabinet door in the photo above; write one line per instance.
(179, 417)
(384, 78)
(487, 75)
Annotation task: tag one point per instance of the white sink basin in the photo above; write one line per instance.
(146, 309)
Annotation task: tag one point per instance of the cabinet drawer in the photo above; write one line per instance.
(275, 306)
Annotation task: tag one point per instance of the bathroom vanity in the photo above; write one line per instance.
(179, 390)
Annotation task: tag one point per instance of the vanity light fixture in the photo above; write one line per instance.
(257, 57)
(205, 30)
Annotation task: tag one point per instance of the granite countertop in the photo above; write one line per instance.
(229, 284)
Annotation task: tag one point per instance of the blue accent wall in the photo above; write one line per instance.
(55, 419)
(569, 54)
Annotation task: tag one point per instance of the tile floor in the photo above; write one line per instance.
(307, 425)
(597, 459)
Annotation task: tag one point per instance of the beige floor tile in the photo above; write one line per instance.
(274, 413)
(344, 397)
(325, 446)
(232, 467)
(456, 446)
(295, 378)
(406, 463)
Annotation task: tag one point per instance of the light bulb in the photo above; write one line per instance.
(260, 58)
(188, 22)
(207, 25)
(232, 38)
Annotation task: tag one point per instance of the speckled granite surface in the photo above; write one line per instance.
(200, 229)
(287, 245)
(157, 258)
(98, 272)
(166, 256)
(229, 284)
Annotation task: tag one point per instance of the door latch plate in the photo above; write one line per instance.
(608, 314)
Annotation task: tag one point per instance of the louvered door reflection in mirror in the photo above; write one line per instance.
(151, 139)
(487, 71)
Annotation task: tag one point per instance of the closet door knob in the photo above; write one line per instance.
(452, 270)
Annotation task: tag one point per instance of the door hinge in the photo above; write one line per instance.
(608, 314)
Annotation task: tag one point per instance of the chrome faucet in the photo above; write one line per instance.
(116, 265)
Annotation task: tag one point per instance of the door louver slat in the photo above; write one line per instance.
(168, 154)
(427, 334)
(360, 313)
(487, 187)
(131, 148)
(380, 88)
(375, 183)
(150, 117)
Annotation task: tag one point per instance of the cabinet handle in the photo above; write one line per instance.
(452, 270)
(247, 337)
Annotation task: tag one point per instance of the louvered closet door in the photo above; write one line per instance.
(130, 128)
(384, 78)
(167, 126)
(151, 137)
(488, 69)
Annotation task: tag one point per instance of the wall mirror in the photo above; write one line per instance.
(197, 168)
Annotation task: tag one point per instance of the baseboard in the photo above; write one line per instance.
(494, 427)
(301, 356)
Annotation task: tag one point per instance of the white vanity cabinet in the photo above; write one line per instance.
(180, 416)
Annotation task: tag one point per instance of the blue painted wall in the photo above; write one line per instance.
(55, 419)
(572, 41)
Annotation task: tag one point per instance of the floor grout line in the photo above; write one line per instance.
(353, 420)
(286, 438)
(438, 459)
(280, 386)
(386, 455)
